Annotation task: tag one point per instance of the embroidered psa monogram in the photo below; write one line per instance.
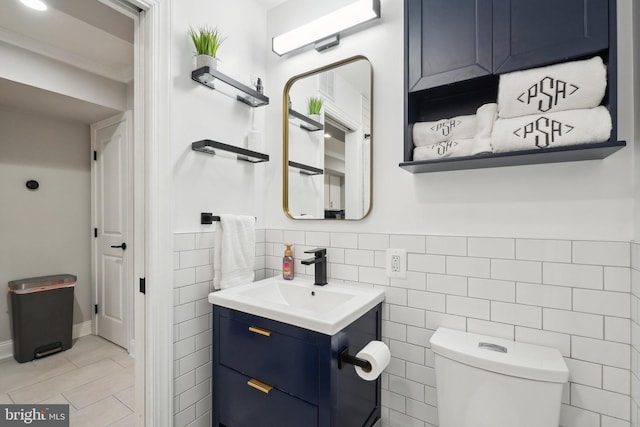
(445, 127)
(547, 93)
(549, 130)
(544, 131)
(559, 87)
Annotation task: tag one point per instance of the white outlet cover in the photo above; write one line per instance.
(400, 270)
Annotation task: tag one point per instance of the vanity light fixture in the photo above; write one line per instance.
(325, 31)
(35, 4)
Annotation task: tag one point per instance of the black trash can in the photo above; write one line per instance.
(41, 315)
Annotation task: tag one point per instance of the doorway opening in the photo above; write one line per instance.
(75, 89)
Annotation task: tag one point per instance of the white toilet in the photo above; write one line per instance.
(491, 382)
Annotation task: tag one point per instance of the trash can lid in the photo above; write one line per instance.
(42, 283)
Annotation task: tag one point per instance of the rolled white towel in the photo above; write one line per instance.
(559, 87)
(551, 130)
(459, 127)
(453, 148)
(486, 115)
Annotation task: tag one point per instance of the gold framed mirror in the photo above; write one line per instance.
(327, 157)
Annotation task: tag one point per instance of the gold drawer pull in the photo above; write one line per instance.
(265, 332)
(259, 385)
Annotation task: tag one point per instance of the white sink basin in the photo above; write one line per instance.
(325, 309)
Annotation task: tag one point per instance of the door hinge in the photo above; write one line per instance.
(95, 232)
(95, 155)
(95, 309)
(143, 285)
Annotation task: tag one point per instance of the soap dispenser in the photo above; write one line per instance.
(287, 263)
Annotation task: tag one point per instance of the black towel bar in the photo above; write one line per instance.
(209, 218)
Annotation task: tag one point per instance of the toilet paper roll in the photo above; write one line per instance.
(377, 353)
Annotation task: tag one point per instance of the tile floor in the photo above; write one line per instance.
(95, 377)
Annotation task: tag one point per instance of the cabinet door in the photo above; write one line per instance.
(448, 41)
(241, 405)
(530, 33)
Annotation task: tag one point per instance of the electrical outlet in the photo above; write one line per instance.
(397, 263)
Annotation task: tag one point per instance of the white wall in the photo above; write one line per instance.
(46, 231)
(584, 200)
(634, 66)
(205, 183)
(29, 68)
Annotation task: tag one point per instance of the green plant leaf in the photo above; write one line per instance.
(206, 40)
(315, 104)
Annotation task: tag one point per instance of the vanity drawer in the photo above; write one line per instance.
(243, 405)
(259, 350)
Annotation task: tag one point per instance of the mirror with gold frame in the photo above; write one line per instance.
(327, 157)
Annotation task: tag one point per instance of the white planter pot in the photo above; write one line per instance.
(207, 61)
(316, 117)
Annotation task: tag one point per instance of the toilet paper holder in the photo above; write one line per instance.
(345, 357)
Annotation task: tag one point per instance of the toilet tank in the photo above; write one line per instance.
(484, 381)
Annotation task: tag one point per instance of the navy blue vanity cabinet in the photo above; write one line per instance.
(271, 374)
(448, 41)
(531, 33)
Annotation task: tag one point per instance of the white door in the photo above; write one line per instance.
(112, 214)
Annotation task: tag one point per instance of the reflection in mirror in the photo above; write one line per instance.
(327, 156)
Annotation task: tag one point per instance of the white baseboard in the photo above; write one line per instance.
(82, 329)
(79, 330)
(6, 349)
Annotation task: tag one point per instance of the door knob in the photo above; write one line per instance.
(122, 246)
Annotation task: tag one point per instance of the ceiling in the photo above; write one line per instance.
(86, 34)
(269, 4)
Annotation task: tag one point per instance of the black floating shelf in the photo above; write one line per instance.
(306, 169)
(210, 147)
(516, 158)
(304, 122)
(214, 79)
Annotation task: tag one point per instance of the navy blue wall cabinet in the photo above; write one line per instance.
(455, 52)
(530, 33)
(517, 158)
(271, 374)
(448, 41)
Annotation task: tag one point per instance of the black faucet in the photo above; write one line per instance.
(320, 261)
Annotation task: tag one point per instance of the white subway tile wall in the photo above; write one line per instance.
(571, 295)
(193, 281)
(582, 297)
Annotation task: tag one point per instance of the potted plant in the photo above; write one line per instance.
(314, 106)
(206, 41)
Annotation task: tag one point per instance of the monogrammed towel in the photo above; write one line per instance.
(486, 115)
(480, 143)
(560, 87)
(428, 133)
(551, 130)
(453, 148)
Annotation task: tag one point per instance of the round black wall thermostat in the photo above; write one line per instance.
(32, 185)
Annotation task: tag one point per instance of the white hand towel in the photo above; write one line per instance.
(551, 130)
(480, 143)
(454, 148)
(486, 115)
(428, 133)
(559, 87)
(234, 253)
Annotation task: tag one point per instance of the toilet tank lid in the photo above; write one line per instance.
(522, 360)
